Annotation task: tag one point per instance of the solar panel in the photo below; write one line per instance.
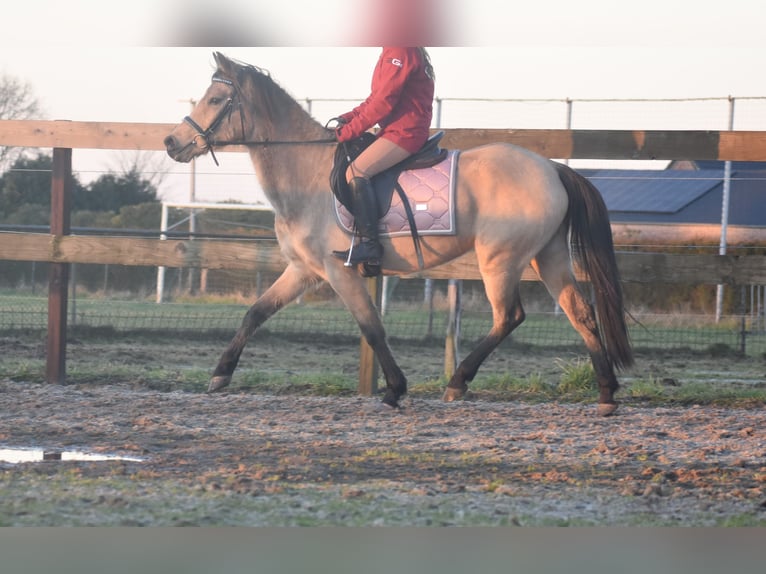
(652, 191)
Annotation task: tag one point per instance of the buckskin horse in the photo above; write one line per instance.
(514, 208)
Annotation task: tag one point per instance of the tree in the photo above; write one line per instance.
(127, 200)
(141, 216)
(25, 194)
(26, 187)
(17, 102)
(151, 165)
(110, 192)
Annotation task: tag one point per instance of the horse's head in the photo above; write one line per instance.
(217, 117)
(226, 115)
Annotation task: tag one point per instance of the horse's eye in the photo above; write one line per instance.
(215, 101)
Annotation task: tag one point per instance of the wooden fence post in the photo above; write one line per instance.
(58, 277)
(368, 363)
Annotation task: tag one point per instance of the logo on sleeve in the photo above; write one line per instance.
(396, 62)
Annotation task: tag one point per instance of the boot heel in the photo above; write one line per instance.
(370, 269)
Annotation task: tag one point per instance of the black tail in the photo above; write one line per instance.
(592, 245)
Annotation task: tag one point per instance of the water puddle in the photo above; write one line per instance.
(16, 455)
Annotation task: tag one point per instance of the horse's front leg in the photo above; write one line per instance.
(285, 289)
(351, 288)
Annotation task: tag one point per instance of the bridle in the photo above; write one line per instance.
(206, 134)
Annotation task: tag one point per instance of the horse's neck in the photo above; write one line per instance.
(293, 176)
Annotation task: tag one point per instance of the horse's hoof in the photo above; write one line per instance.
(218, 382)
(606, 409)
(385, 408)
(451, 395)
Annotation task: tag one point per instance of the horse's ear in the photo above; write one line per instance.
(221, 61)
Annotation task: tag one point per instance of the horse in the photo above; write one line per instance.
(514, 208)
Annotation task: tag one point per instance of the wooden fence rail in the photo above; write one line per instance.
(61, 249)
(561, 144)
(265, 256)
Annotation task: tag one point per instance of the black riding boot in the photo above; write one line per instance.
(369, 250)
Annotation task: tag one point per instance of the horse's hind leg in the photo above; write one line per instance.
(553, 266)
(582, 317)
(284, 290)
(507, 314)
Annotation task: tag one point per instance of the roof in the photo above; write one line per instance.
(674, 196)
(652, 191)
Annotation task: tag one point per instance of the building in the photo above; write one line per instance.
(687, 192)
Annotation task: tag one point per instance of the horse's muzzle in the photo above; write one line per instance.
(177, 151)
(172, 146)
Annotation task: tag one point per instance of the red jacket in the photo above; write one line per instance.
(400, 102)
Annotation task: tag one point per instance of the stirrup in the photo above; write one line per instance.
(350, 258)
(366, 252)
(370, 267)
(345, 255)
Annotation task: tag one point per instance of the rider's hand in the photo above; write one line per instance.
(338, 121)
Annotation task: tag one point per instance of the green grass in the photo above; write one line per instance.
(577, 378)
(576, 383)
(133, 324)
(653, 392)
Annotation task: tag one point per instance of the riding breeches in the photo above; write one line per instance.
(377, 157)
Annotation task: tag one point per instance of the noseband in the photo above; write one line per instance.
(205, 134)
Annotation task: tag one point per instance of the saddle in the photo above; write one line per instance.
(385, 182)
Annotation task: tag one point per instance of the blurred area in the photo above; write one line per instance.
(237, 23)
(579, 551)
(308, 23)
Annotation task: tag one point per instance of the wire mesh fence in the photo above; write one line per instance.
(412, 316)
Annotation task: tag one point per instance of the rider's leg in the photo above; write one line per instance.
(379, 156)
(366, 218)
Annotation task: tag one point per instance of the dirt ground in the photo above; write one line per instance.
(248, 458)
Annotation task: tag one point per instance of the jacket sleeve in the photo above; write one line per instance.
(389, 81)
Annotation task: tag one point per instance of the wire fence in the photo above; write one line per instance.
(233, 179)
(121, 299)
(409, 318)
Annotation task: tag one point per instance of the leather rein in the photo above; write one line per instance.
(206, 134)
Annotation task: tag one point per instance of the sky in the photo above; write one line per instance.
(142, 61)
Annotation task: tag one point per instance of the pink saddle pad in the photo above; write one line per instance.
(431, 194)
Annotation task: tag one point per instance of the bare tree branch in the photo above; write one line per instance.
(17, 102)
(152, 166)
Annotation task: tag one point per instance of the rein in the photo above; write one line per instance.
(206, 134)
(274, 142)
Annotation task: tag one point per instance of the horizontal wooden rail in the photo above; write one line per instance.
(621, 144)
(83, 135)
(208, 253)
(690, 234)
(553, 143)
(265, 256)
(644, 268)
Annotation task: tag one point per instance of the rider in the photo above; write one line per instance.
(401, 103)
